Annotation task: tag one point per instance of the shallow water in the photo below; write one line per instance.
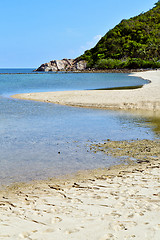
(40, 140)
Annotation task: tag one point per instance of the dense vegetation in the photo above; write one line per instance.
(133, 43)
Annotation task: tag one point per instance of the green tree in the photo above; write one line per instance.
(134, 38)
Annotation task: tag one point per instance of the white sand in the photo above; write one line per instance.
(116, 204)
(145, 98)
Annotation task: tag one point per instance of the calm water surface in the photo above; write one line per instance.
(40, 140)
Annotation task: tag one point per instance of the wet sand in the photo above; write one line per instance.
(145, 98)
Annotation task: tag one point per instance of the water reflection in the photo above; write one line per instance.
(148, 118)
(154, 122)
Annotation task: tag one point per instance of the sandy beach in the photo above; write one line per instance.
(145, 98)
(121, 202)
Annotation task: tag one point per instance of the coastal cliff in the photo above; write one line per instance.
(63, 65)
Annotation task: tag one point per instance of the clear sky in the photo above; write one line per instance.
(36, 31)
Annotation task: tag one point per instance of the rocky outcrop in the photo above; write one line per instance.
(63, 65)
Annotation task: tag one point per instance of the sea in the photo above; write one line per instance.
(43, 140)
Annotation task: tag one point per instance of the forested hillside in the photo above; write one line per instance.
(133, 43)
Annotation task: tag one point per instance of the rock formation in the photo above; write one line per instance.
(63, 65)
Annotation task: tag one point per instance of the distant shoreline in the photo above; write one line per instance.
(85, 71)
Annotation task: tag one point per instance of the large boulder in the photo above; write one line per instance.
(80, 65)
(63, 65)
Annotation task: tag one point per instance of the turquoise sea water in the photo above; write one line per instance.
(40, 140)
(19, 83)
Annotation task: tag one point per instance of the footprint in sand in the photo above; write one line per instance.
(70, 231)
(107, 236)
(55, 220)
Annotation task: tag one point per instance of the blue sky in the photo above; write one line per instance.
(37, 31)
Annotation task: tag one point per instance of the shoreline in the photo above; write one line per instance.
(121, 202)
(86, 71)
(145, 98)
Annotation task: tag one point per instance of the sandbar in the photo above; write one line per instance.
(145, 98)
